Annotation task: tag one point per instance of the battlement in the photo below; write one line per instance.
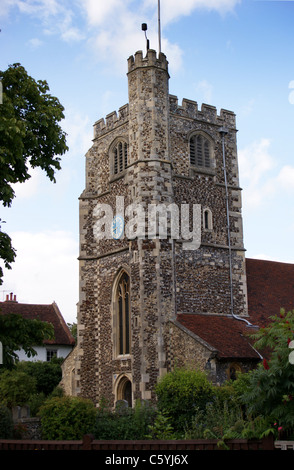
(207, 112)
(111, 121)
(150, 60)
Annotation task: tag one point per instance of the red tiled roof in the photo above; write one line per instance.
(270, 287)
(49, 313)
(225, 334)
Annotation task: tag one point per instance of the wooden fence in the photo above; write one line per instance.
(88, 443)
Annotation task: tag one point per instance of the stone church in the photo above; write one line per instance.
(163, 277)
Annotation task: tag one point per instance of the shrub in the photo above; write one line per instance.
(6, 423)
(268, 390)
(161, 428)
(16, 387)
(124, 423)
(215, 420)
(46, 374)
(180, 393)
(67, 418)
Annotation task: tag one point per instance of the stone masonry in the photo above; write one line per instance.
(168, 278)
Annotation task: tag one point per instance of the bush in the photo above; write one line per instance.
(47, 374)
(124, 423)
(181, 393)
(215, 420)
(161, 428)
(16, 387)
(6, 423)
(67, 418)
(268, 390)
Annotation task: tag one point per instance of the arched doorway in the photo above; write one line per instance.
(124, 390)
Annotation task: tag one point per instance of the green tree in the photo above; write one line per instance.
(18, 333)
(269, 390)
(7, 252)
(29, 129)
(47, 374)
(16, 387)
(30, 135)
(73, 329)
(180, 393)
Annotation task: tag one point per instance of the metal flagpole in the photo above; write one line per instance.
(159, 31)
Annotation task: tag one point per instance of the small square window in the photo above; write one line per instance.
(50, 353)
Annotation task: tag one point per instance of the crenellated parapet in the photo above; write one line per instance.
(189, 109)
(111, 121)
(150, 60)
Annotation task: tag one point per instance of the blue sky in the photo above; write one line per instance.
(233, 54)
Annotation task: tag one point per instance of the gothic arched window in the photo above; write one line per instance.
(200, 151)
(122, 301)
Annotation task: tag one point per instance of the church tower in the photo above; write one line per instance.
(160, 236)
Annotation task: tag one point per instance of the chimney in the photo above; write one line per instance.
(11, 298)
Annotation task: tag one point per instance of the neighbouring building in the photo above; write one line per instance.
(173, 288)
(63, 341)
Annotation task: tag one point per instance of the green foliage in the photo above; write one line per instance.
(161, 428)
(16, 387)
(29, 129)
(215, 420)
(17, 332)
(7, 252)
(30, 136)
(67, 418)
(180, 393)
(269, 390)
(6, 423)
(31, 383)
(47, 374)
(124, 423)
(73, 327)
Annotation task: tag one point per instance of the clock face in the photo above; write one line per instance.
(117, 227)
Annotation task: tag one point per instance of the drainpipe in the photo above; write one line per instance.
(223, 132)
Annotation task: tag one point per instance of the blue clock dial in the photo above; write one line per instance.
(117, 227)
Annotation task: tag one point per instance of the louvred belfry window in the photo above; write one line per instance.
(200, 151)
(120, 157)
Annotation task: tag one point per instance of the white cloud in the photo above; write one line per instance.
(256, 165)
(79, 131)
(113, 27)
(35, 43)
(205, 89)
(172, 10)
(55, 16)
(116, 26)
(100, 12)
(29, 188)
(285, 179)
(45, 270)
(248, 108)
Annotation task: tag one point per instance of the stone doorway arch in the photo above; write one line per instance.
(124, 390)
